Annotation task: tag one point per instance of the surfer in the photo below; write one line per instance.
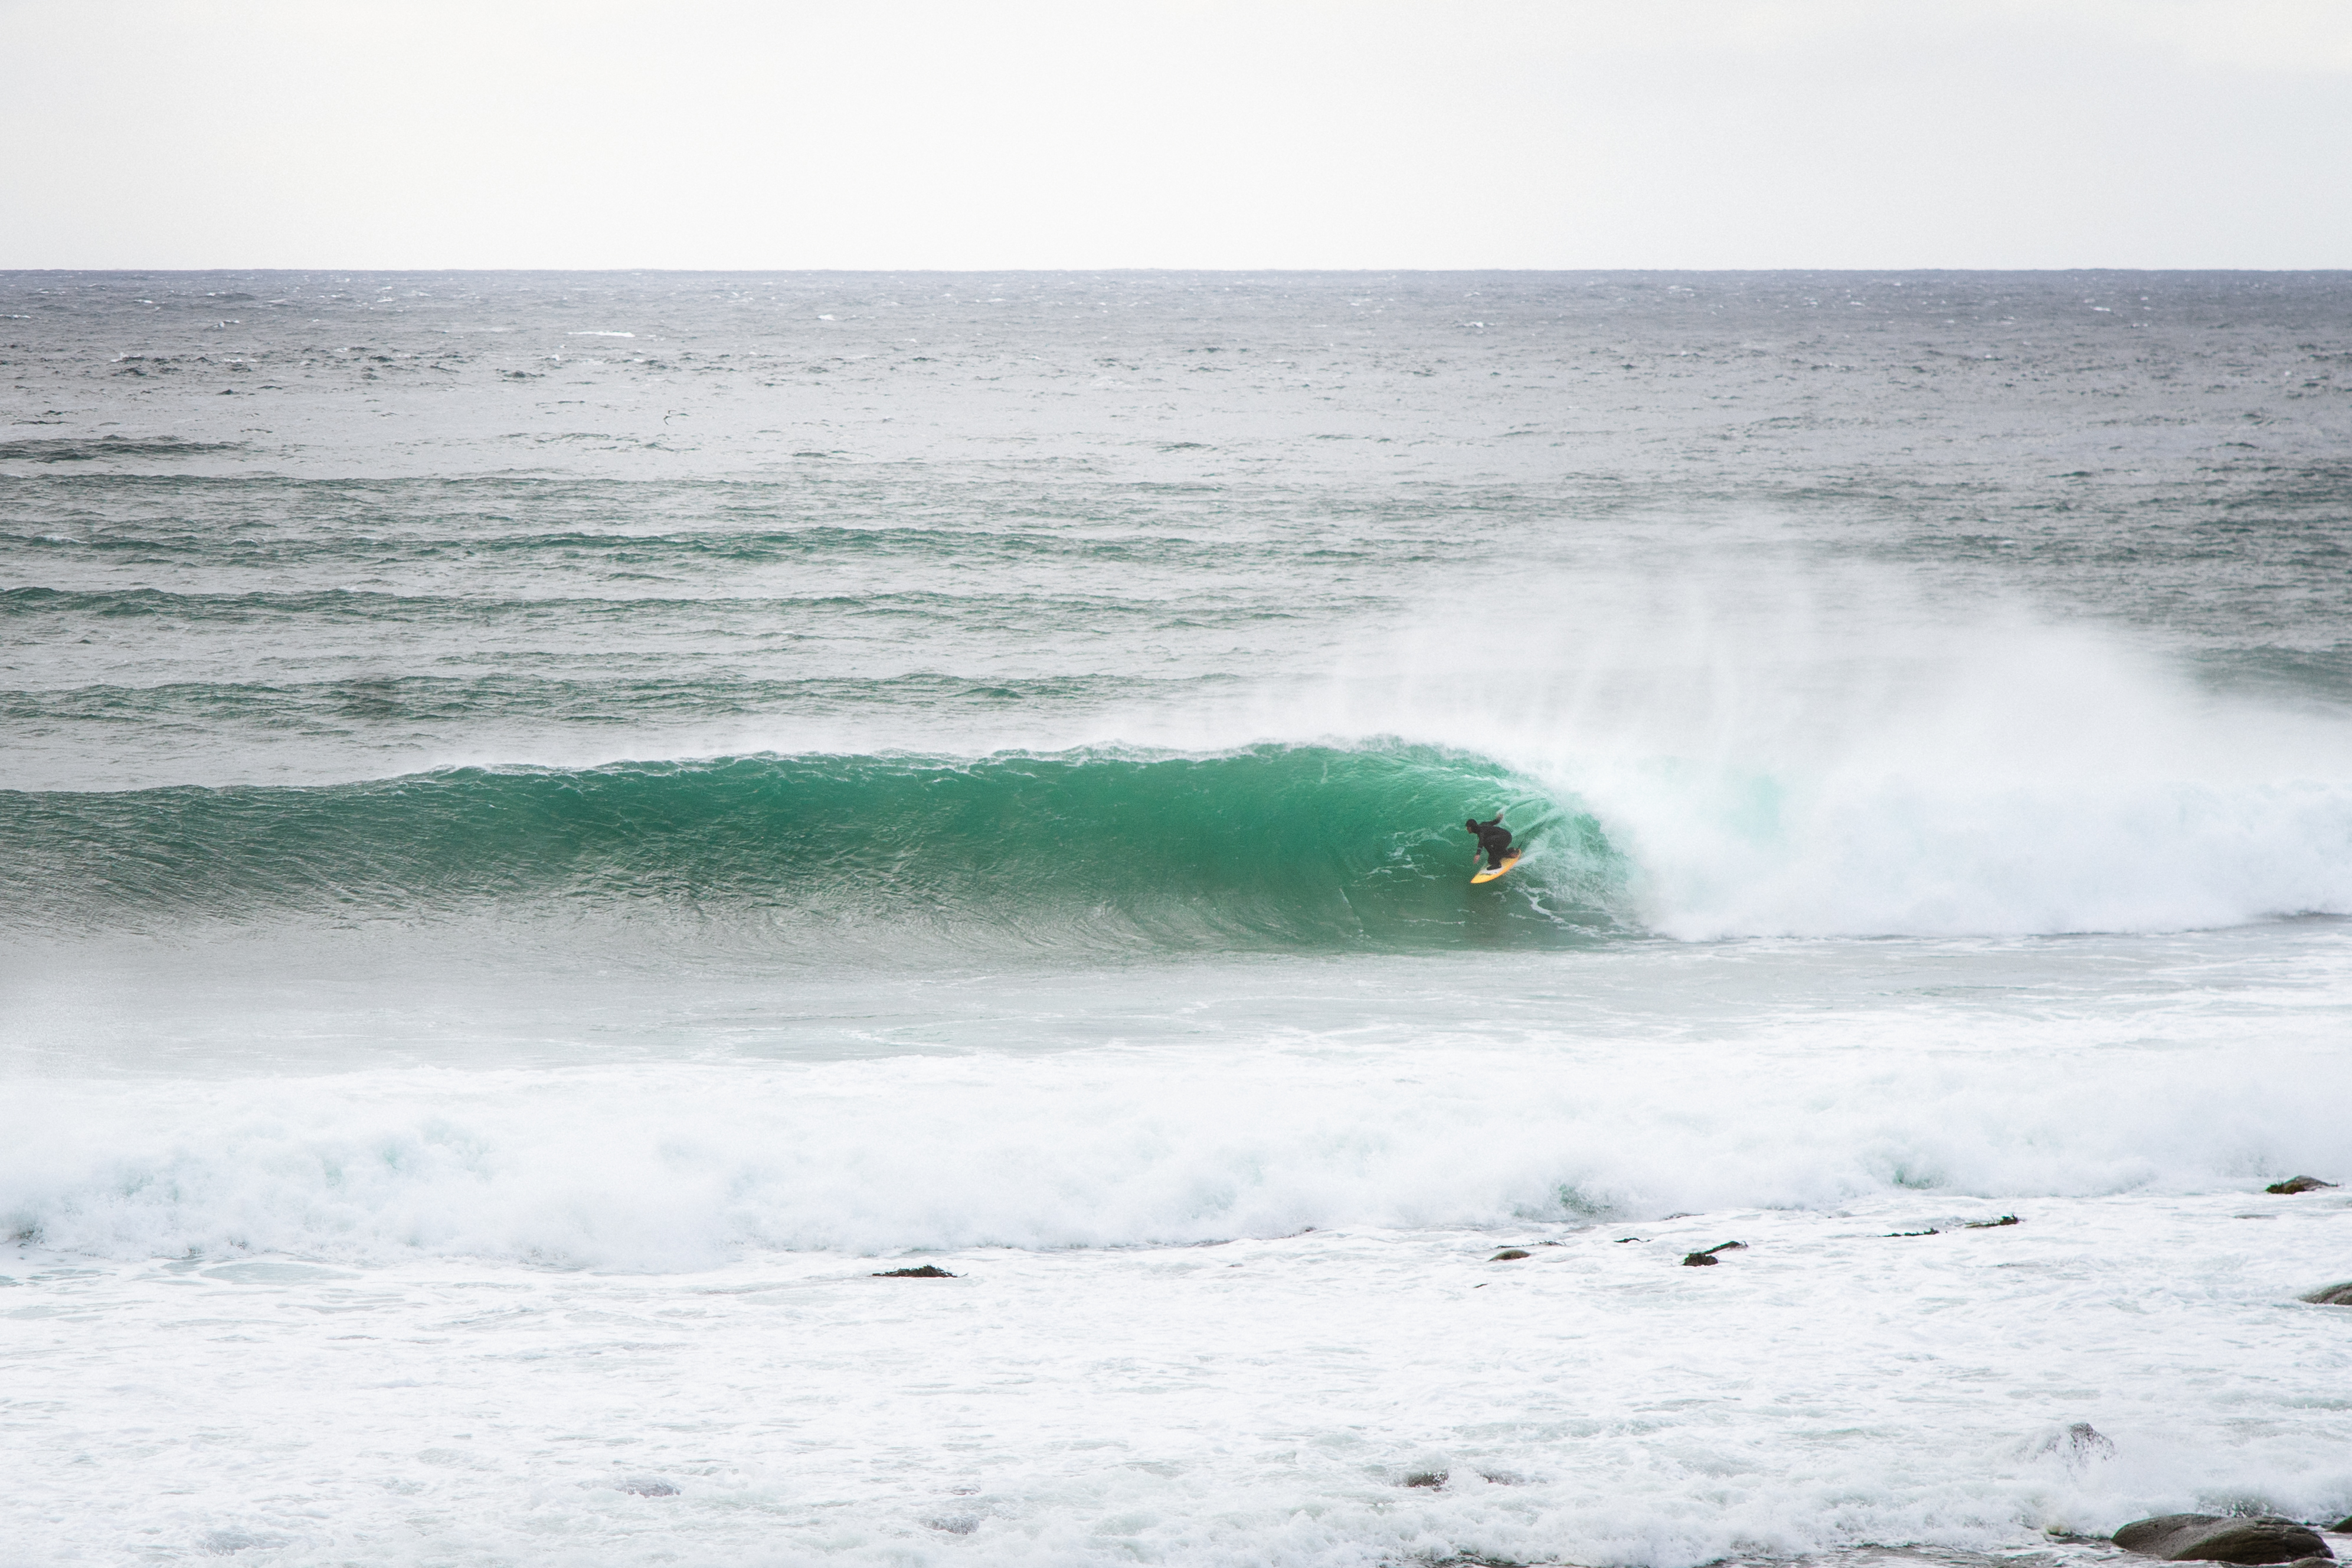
(1493, 838)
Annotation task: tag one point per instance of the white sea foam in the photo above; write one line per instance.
(1828, 1385)
(675, 1167)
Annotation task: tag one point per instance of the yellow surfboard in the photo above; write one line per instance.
(1510, 859)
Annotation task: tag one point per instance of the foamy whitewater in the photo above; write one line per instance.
(555, 826)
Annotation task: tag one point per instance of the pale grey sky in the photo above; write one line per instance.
(1698, 133)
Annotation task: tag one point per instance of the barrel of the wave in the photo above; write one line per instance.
(1270, 847)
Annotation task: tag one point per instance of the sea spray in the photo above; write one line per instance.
(1782, 745)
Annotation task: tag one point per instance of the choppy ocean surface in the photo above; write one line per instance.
(554, 825)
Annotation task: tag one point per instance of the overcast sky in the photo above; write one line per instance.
(1651, 133)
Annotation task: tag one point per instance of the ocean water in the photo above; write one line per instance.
(555, 826)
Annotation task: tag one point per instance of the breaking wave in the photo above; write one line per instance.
(1273, 847)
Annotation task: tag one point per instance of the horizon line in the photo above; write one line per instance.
(1159, 271)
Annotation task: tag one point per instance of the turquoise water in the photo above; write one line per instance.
(1300, 848)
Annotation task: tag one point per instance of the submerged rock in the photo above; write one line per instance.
(1426, 1479)
(1992, 1223)
(648, 1486)
(227, 1542)
(1507, 1254)
(1701, 1260)
(927, 1272)
(2214, 1538)
(2334, 1296)
(2297, 1184)
(2078, 1445)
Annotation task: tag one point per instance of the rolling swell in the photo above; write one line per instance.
(1275, 847)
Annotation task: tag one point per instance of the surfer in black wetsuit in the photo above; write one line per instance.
(1493, 837)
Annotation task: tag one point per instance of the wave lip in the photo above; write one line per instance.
(1273, 847)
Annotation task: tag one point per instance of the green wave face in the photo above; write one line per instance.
(1276, 847)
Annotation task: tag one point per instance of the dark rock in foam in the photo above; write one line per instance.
(2298, 1183)
(2078, 1445)
(927, 1272)
(2340, 1295)
(2214, 1538)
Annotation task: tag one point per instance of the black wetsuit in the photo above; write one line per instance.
(1495, 839)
